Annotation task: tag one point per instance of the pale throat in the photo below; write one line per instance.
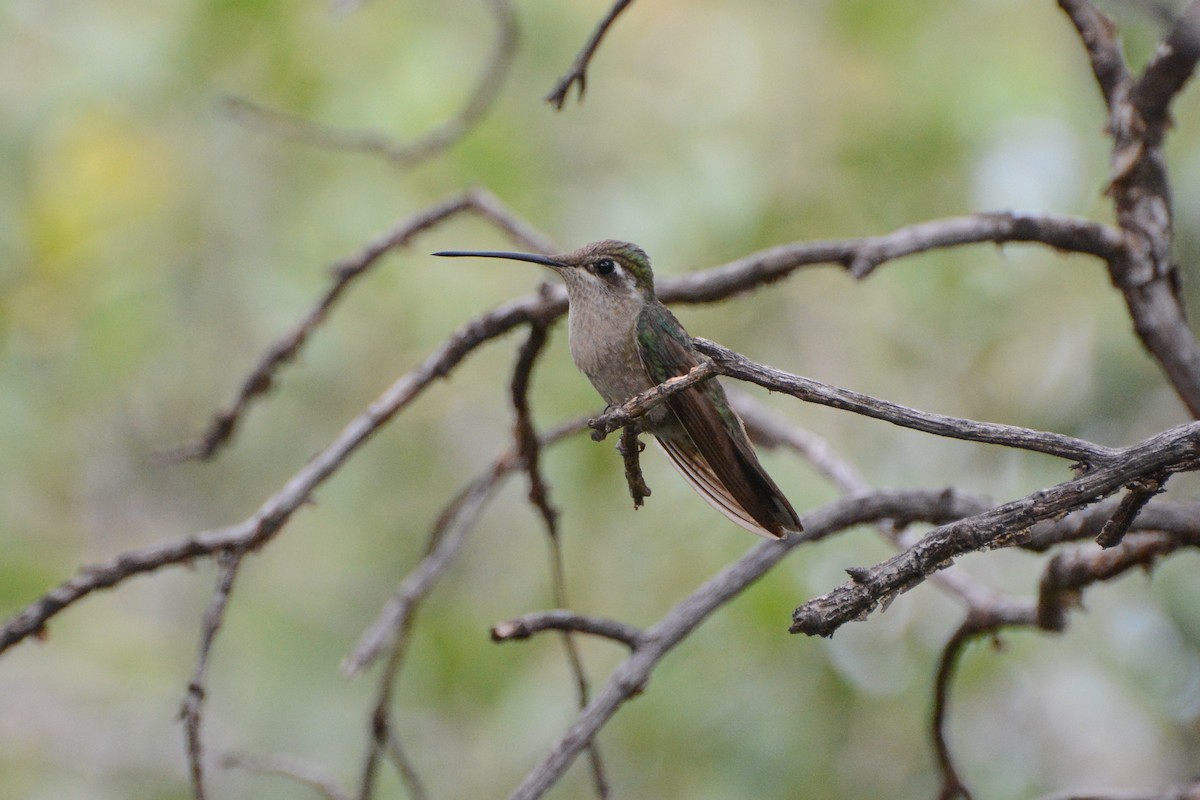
(602, 328)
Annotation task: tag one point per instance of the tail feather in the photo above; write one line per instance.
(699, 474)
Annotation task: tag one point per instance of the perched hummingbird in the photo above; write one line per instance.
(625, 342)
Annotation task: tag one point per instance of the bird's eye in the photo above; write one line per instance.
(605, 266)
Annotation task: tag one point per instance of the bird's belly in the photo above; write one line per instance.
(615, 370)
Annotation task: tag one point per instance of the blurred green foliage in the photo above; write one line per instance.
(151, 247)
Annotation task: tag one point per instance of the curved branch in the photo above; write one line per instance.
(861, 256)
(563, 620)
(979, 621)
(290, 768)
(1069, 573)
(1060, 589)
(442, 137)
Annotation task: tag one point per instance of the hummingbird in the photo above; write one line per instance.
(625, 341)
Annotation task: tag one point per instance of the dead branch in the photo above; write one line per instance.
(1140, 188)
(738, 366)
(1171, 451)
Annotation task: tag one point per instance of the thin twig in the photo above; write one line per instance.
(577, 74)
(191, 710)
(385, 741)
(1099, 36)
(410, 154)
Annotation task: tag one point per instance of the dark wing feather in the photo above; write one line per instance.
(716, 457)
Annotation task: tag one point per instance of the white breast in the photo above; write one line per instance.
(604, 345)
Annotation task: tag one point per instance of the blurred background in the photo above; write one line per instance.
(151, 247)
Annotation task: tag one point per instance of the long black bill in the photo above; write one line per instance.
(532, 258)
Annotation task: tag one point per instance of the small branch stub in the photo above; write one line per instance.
(630, 448)
(1135, 499)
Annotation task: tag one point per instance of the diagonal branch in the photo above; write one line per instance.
(345, 272)
(262, 526)
(1174, 450)
(738, 366)
(1099, 36)
(456, 520)
(577, 74)
(1170, 68)
(631, 676)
